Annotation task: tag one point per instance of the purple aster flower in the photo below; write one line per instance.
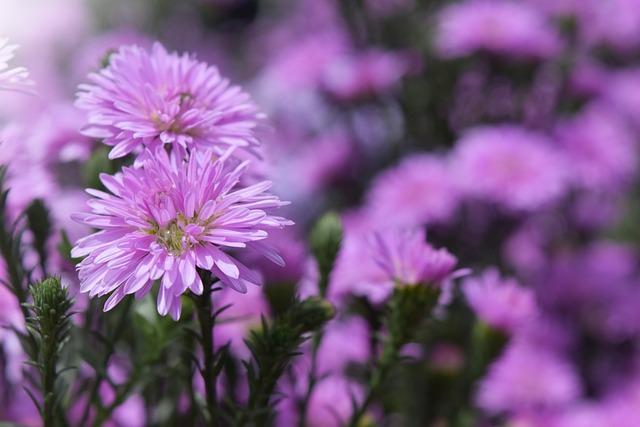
(502, 27)
(601, 148)
(370, 264)
(355, 75)
(156, 98)
(621, 92)
(12, 78)
(408, 259)
(422, 185)
(614, 24)
(528, 377)
(501, 303)
(516, 168)
(167, 219)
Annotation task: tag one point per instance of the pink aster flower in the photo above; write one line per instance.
(502, 27)
(352, 76)
(511, 166)
(407, 258)
(613, 23)
(500, 302)
(370, 264)
(528, 377)
(601, 147)
(156, 98)
(422, 185)
(12, 78)
(167, 219)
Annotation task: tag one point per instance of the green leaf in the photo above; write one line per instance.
(40, 225)
(98, 163)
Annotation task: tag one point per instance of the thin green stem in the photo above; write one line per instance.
(50, 359)
(388, 359)
(205, 319)
(312, 379)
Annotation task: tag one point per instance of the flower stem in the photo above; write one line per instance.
(50, 328)
(206, 321)
(388, 359)
(408, 313)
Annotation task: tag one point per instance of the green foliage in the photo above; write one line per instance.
(98, 163)
(50, 329)
(272, 349)
(11, 246)
(408, 313)
(39, 223)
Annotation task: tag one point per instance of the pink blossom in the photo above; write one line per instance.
(601, 148)
(418, 191)
(528, 377)
(159, 98)
(503, 27)
(612, 23)
(502, 303)
(360, 74)
(370, 264)
(514, 167)
(163, 221)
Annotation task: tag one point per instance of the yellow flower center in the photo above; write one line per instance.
(171, 238)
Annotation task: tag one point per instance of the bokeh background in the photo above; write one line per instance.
(507, 129)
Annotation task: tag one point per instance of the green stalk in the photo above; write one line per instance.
(204, 308)
(49, 327)
(409, 311)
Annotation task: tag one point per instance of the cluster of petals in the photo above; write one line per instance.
(501, 27)
(155, 98)
(528, 377)
(601, 147)
(356, 75)
(371, 263)
(167, 219)
(518, 169)
(16, 79)
(422, 184)
(500, 302)
(407, 258)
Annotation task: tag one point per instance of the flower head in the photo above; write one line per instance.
(372, 263)
(601, 148)
(514, 167)
(352, 76)
(502, 27)
(156, 98)
(407, 258)
(422, 185)
(528, 377)
(12, 78)
(500, 302)
(168, 218)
